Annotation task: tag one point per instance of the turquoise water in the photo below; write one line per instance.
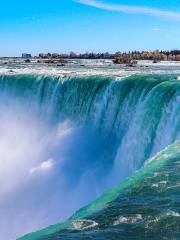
(146, 206)
(72, 139)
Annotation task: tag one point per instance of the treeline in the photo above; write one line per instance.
(149, 55)
(73, 55)
(133, 55)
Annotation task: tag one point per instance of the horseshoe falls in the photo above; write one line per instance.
(103, 142)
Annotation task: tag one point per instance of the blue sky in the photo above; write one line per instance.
(88, 25)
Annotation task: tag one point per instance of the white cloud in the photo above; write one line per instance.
(132, 9)
(156, 29)
(44, 166)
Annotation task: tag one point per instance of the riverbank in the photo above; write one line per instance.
(81, 62)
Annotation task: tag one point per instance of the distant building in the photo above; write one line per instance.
(26, 55)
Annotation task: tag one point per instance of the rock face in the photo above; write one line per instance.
(54, 58)
(177, 58)
(125, 60)
(55, 61)
(27, 61)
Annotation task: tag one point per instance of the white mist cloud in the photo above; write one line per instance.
(45, 170)
(156, 29)
(44, 166)
(132, 9)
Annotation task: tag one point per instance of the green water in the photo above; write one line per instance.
(123, 123)
(145, 206)
(140, 116)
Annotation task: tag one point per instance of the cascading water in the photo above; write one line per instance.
(64, 141)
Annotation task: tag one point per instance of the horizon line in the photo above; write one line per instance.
(95, 52)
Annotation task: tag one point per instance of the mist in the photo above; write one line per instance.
(47, 170)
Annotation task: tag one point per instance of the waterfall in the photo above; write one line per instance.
(65, 141)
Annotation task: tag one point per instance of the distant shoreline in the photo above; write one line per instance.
(157, 55)
(130, 59)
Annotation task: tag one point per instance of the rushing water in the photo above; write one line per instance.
(66, 140)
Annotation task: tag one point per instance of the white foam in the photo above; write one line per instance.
(129, 219)
(173, 213)
(92, 68)
(83, 224)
